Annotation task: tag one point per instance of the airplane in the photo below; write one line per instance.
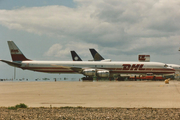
(75, 56)
(87, 68)
(97, 57)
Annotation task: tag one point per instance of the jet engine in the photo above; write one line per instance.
(96, 72)
(89, 72)
(104, 73)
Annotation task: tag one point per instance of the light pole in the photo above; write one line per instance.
(179, 72)
(14, 73)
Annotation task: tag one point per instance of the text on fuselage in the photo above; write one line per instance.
(133, 67)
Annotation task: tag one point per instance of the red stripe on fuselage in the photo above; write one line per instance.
(142, 72)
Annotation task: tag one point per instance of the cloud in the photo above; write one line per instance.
(63, 51)
(54, 50)
(117, 27)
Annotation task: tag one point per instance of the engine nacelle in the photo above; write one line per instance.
(98, 72)
(104, 73)
(89, 72)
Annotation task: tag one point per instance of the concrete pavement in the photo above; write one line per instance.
(126, 94)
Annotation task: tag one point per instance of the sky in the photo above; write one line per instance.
(119, 30)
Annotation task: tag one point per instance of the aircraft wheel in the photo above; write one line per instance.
(87, 78)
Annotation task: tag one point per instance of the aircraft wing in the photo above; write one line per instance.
(76, 69)
(79, 70)
(12, 63)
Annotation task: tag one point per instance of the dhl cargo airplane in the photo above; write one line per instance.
(87, 68)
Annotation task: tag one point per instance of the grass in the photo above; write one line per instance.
(67, 107)
(21, 105)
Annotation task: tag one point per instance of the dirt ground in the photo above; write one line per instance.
(81, 113)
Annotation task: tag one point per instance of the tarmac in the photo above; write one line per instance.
(124, 94)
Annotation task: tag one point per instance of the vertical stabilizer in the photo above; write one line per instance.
(96, 55)
(75, 56)
(16, 53)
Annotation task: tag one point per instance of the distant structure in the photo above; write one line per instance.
(144, 58)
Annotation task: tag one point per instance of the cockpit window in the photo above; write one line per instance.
(165, 65)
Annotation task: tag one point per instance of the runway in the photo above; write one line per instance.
(126, 94)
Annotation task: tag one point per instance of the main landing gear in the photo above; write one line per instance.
(87, 78)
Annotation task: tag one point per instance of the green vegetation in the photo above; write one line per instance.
(12, 108)
(21, 105)
(79, 107)
(66, 107)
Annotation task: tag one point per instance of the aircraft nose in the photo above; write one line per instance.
(173, 70)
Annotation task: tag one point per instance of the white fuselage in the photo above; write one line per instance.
(113, 67)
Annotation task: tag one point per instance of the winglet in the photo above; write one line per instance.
(96, 55)
(16, 53)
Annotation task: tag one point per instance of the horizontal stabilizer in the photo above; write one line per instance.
(12, 63)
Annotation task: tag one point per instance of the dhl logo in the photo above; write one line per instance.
(133, 67)
(15, 51)
(143, 57)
